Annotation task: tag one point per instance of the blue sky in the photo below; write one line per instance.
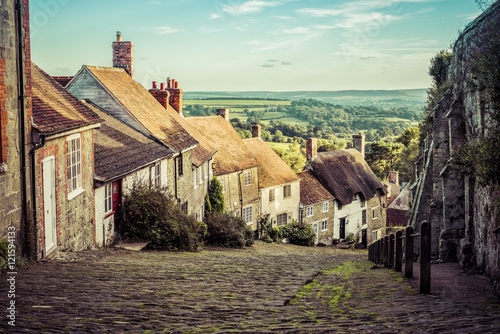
(278, 45)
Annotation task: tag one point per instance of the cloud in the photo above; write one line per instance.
(286, 63)
(267, 65)
(273, 60)
(320, 12)
(282, 17)
(248, 7)
(165, 30)
(298, 30)
(215, 16)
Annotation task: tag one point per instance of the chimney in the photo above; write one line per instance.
(175, 95)
(224, 113)
(162, 86)
(256, 131)
(388, 187)
(123, 54)
(394, 177)
(358, 141)
(311, 148)
(161, 95)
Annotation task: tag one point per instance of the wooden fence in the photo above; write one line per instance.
(391, 250)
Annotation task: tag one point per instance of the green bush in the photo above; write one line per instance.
(147, 214)
(228, 230)
(298, 233)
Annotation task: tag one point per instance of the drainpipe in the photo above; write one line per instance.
(33, 178)
(22, 130)
(241, 194)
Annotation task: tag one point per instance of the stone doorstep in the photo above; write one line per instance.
(137, 246)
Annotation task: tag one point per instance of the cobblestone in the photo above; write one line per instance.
(264, 289)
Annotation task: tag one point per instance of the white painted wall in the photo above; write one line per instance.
(281, 205)
(353, 213)
(104, 227)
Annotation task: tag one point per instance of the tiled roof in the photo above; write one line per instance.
(232, 154)
(273, 171)
(311, 190)
(345, 173)
(396, 217)
(165, 124)
(55, 109)
(120, 149)
(63, 80)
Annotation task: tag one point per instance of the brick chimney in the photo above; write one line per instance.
(123, 54)
(358, 141)
(224, 113)
(256, 131)
(394, 177)
(175, 94)
(161, 95)
(311, 148)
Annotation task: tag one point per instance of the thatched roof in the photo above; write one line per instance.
(273, 171)
(345, 173)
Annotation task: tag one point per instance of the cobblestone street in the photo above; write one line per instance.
(267, 288)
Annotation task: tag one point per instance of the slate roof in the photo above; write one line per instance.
(165, 124)
(120, 149)
(232, 153)
(56, 110)
(273, 171)
(311, 190)
(345, 173)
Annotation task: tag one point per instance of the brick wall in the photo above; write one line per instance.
(123, 56)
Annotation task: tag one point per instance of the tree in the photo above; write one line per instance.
(214, 201)
(439, 67)
(382, 157)
(409, 155)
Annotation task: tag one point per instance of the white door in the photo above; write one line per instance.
(316, 231)
(49, 203)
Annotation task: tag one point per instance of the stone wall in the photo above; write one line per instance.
(459, 210)
(11, 192)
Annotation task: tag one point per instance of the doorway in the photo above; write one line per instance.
(49, 203)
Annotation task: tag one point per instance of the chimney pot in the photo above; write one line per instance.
(118, 36)
(224, 113)
(176, 84)
(394, 177)
(311, 148)
(169, 83)
(154, 84)
(162, 86)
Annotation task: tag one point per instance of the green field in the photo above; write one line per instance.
(237, 103)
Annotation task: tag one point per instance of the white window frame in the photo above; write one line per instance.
(108, 198)
(207, 170)
(310, 211)
(272, 198)
(323, 224)
(200, 174)
(247, 176)
(375, 213)
(326, 207)
(289, 187)
(156, 175)
(280, 217)
(247, 214)
(195, 178)
(74, 165)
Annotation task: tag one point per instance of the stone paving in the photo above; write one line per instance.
(267, 288)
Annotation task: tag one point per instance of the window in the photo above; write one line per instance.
(248, 214)
(223, 183)
(248, 178)
(325, 207)
(207, 170)
(271, 195)
(195, 179)
(375, 236)
(156, 175)
(108, 195)
(375, 213)
(324, 225)
(282, 219)
(180, 170)
(74, 165)
(287, 191)
(200, 172)
(184, 208)
(309, 211)
(339, 205)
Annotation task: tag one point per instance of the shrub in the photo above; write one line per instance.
(147, 214)
(298, 233)
(228, 230)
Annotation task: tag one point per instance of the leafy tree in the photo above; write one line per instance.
(440, 64)
(409, 155)
(382, 157)
(214, 201)
(293, 157)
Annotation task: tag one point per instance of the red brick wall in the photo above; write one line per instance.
(3, 114)
(176, 98)
(162, 96)
(123, 56)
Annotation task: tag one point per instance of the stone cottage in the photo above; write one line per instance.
(360, 198)
(279, 186)
(234, 165)
(63, 131)
(316, 207)
(123, 156)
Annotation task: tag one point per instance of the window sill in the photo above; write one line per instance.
(75, 193)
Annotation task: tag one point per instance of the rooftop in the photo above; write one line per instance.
(311, 190)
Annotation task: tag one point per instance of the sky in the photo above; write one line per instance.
(253, 45)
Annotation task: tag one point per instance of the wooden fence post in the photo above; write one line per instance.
(391, 251)
(399, 251)
(409, 252)
(425, 257)
(386, 250)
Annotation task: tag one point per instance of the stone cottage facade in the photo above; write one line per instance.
(64, 160)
